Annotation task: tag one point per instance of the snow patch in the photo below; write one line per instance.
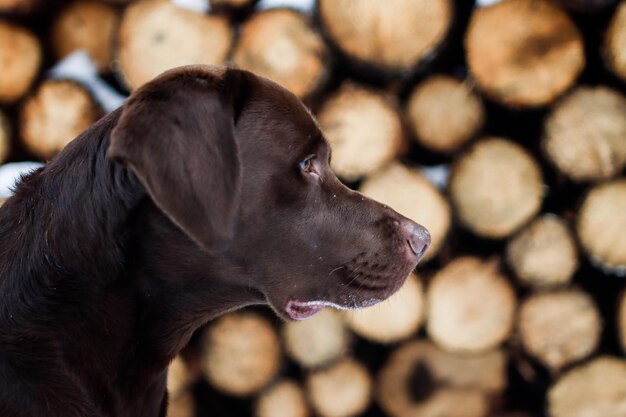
(200, 6)
(305, 6)
(10, 173)
(78, 66)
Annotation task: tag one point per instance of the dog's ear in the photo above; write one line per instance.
(177, 135)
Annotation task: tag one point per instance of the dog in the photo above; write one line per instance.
(208, 191)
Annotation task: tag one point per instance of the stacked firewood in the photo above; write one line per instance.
(500, 126)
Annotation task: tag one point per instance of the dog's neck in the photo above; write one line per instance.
(88, 246)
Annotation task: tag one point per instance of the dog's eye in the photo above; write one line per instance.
(306, 165)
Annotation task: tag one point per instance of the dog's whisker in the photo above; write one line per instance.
(336, 269)
(352, 277)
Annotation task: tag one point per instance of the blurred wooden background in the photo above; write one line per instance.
(500, 126)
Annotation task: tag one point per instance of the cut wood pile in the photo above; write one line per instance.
(499, 127)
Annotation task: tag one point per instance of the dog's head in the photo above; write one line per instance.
(241, 166)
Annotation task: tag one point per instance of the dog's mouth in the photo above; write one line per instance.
(301, 310)
(365, 280)
(357, 284)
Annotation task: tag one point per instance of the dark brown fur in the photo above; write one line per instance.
(187, 203)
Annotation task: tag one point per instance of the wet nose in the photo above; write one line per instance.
(417, 237)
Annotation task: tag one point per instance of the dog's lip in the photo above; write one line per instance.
(301, 310)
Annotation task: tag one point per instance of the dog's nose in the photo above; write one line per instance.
(417, 237)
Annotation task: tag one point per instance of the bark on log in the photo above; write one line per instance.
(20, 61)
(595, 389)
(56, 114)
(412, 195)
(88, 25)
(470, 306)
(543, 254)
(364, 130)
(317, 341)
(523, 53)
(156, 35)
(601, 223)
(241, 353)
(391, 36)
(560, 327)
(584, 134)
(444, 113)
(395, 319)
(495, 187)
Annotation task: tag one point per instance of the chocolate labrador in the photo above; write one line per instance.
(208, 191)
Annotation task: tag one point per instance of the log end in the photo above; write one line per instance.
(615, 39)
(157, 35)
(283, 399)
(241, 353)
(444, 113)
(392, 36)
(600, 224)
(54, 115)
(495, 188)
(342, 390)
(20, 61)
(523, 53)
(560, 327)
(544, 253)
(584, 134)
(364, 130)
(280, 44)
(317, 341)
(470, 306)
(5, 137)
(595, 389)
(87, 25)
